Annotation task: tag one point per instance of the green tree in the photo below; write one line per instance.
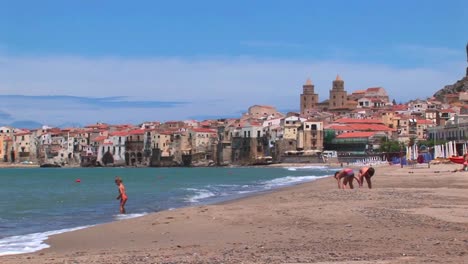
(387, 145)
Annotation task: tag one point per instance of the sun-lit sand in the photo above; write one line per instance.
(413, 215)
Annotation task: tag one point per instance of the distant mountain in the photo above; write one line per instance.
(70, 124)
(26, 124)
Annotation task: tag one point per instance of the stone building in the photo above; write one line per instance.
(309, 99)
(22, 143)
(338, 95)
(6, 143)
(261, 112)
(313, 135)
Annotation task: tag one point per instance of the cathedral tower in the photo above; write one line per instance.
(338, 95)
(309, 99)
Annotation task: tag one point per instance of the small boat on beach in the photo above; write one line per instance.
(457, 159)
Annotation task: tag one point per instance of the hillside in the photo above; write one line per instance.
(459, 86)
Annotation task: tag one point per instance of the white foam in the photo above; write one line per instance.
(289, 180)
(316, 167)
(128, 216)
(30, 242)
(199, 195)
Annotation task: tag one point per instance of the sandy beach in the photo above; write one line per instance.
(413, 215)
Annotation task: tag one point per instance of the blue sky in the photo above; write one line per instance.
(121, 61)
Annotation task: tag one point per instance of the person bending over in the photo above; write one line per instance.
(343, 177)
(365, 173)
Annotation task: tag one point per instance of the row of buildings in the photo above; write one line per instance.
(353, 123)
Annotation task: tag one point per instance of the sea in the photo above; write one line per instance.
(38, 202)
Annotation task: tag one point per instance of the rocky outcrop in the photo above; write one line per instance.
(459, 86)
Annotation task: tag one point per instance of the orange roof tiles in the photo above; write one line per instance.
(137, 132)
(424, 122)
(204, 130)
(100, 138)
(359, 121)
(119, 134)
(356, 135)
(374, 89)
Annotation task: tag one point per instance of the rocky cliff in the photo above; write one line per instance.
(459, 86)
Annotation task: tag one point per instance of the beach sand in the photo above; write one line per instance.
(413, 215)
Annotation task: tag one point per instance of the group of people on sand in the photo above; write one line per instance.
(346, 177)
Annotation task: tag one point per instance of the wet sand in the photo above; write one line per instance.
(413, 215)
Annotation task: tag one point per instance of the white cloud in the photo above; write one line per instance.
(211, 86)
(270, 44)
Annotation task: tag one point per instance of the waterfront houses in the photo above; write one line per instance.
(354, 122)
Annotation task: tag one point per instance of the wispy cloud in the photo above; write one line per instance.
(431, 53)
(105, 102)
(127, 90)
(270, 44)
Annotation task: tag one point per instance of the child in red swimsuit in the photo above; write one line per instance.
(122, 195)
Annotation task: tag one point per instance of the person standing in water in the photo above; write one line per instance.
(122, 194)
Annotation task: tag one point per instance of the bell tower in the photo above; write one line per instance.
(309, 99)
(338, 95)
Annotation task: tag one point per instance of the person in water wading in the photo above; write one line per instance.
(122, 195)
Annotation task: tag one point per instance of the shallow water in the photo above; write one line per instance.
(35, 203)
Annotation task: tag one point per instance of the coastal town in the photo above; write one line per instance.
(343, 123)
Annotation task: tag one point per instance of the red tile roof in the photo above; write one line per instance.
(356, 135)
(100, 138)
(399, 107)
(359, 127)
(119, 134)
(424, 122)
(137, 132)
(358, 121)
(204, 130)
(374, 89)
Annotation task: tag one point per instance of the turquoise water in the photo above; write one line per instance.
(35, 203)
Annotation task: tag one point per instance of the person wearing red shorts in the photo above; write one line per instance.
(122, 195)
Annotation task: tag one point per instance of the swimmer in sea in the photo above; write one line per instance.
(122, 195)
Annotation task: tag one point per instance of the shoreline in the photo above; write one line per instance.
(406, 212)
(272, 165)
